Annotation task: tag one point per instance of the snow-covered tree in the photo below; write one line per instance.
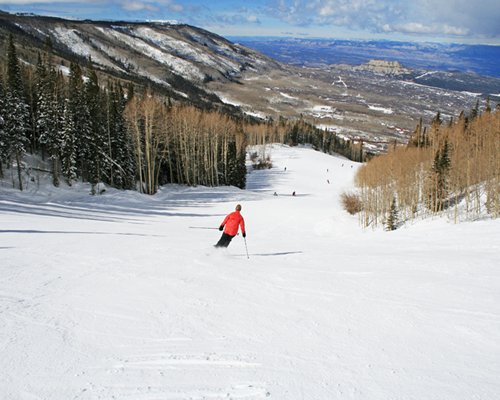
(48, 118)
(96, 160)
(3, 137)
(16, 113)
(120, 148)
(68, 151)
(78, 112)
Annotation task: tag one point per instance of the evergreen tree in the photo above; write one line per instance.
(130, 91)
(475, 111)
(236, 175)
(393, 218)
(3, 137)
(120, 148)
(416, 137)
(78, 112)
(97, 164)
(68, 149)
(463, 121)
(48, 117)
(16, 110)
(440, 170)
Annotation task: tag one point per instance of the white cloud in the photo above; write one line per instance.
(150, 5)
(176, 7)
(252, 19)
(27, 2)
(326, 11)
(426, 17)
(138, 6)
(419, 28)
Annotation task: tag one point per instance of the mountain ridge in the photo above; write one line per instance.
(178, 59)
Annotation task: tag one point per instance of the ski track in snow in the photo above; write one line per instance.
(118, 296)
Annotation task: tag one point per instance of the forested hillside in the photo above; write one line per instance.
(449, 167)
(90, 127)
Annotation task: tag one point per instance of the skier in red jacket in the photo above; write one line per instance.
(230, 226)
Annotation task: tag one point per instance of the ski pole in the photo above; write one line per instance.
(201, 227)
(246, 248)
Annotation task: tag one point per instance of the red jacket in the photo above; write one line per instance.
(231, 223)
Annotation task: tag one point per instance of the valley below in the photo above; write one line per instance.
(358, 104)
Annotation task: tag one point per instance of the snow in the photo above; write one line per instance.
(115, 296)
(381, 109)
(184, 49)
(426, 74)
(324, 112)
(178, 65)
(340, 80)
(164, 21)
(256, 114)
(64, 70)
(227, 100)
(472, 94)
(287, 96)
(323, 109)
(76, 44)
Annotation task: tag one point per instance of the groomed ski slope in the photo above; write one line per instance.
(116, 297)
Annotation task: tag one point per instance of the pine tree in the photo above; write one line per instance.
(416, 137)
(463, 121)
(77, 110)
(393, 218)
(48, 120)
(97, 164)
(3, 136)
(475, 111)
(440, 170)
(120, 149)
(16, 110)
(236, 169)
(68, 149)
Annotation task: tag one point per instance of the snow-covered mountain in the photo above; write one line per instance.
(122, 295)
(178, 58)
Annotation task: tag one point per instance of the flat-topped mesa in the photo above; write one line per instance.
(384, 67)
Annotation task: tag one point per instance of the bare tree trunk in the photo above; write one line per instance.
(18, 160)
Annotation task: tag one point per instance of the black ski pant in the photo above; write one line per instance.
(224, 240)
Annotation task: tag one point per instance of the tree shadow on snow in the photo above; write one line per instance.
(265, 179)
(101, 212)
(73, 232)
(166, 203)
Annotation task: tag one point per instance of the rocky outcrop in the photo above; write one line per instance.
(383, 67)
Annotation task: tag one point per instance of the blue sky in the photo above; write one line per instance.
(461, 21)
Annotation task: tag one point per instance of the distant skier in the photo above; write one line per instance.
(293, 193)
(230, 226)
